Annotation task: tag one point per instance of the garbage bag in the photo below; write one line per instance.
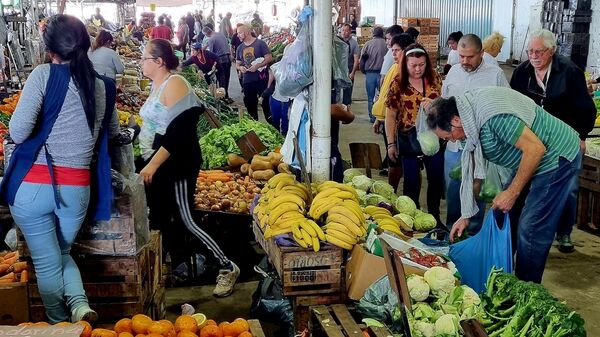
(268, 302)
(379, 301)
(339, 62)
(491, 247)
(294, 72)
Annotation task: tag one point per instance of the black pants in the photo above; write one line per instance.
(223, 74)
(266, 107)
(252, 91)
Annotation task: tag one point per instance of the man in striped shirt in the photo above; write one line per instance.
(508, 129)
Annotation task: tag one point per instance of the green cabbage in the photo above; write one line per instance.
(384, 189)
(446, 325)
(406, 221)
(406, 205)
(374, 199)
(362, 182)
(351, 173)
(361, 193)
(425, 222)
(429, 141)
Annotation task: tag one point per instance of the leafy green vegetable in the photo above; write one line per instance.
(351, 173)
(218, 143)
(362, 182)
(405, 204)
(430, 143)
(456, 172)
(384, 189)
(425, 222)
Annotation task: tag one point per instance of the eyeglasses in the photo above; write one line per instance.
(148, 58)
(537, 52)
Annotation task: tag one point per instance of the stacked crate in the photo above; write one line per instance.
(120, 262)
(429, 34)
(588, 210)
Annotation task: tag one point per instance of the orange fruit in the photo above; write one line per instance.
(245, 334)
(123, 325)
(160, 328)
(140, 323)
(211, 331)
(222, 324)
(211, 322)
(243, 323)
(125, 334)
(154, 334)
(103, 333)
(87, 328)
(229, 329)
(140, 335)
(186, 323)
(62, 324)
(186, 334)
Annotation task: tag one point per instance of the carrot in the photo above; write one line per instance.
(11, 260)
(19, 266)
(2, 281)
(4, 268)
(212, 171)
(10, 255)
(9, 276)
(24, 276)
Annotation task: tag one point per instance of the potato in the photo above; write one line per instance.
(234, 160)
(275, 158)
(244, 168)
(259, 157)
(283, 168)
(258, 164)
(263, 175)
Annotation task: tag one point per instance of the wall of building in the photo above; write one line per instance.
(502, 22)
(382, 10)
(527, 19)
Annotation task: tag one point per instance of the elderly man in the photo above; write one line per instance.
(472, 72)
(225, 26)
(353, 61)
(252, 59)
(508, 129)
(372, 55)
(556, 84)
(218, 44)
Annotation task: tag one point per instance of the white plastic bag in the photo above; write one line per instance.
(294, 72)
(429, 141)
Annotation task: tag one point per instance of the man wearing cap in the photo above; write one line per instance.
(205, 60)
(217, 43)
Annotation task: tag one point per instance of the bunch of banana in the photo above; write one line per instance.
(308, 234)
(282, 203)
(345, 224)
(330, 194)
(385, 220)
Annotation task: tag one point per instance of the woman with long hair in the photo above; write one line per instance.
(105, 60)
(65, 115)
(416, 82)
(169, 146)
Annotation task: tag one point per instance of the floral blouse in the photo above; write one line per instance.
(407, 102)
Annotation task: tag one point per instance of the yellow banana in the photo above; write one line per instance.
(307, 237)
(283, 208)
(278, 178)
(342, 211)
(287, 222)
(335, 241)
(353, 228)
(337, 226)
(270, 232)
(316, 244)
(308, 228)
(322, 196)
(287, 198)
(315, 226)
(296, 230)
(300, 241)
(356, 209)
(344, 236)
(296, 190)
(318, 209)
(392, 229)
(345, 195)
(371, 210)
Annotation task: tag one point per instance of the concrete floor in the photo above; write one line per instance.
(574, 278)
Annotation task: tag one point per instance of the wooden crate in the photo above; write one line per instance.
(118, 286)
(588, 208)
(338, 321)
(14, 303)
(303, 271)
(302, 304)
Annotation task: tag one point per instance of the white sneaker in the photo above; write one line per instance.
(225, 281)
(84, 313)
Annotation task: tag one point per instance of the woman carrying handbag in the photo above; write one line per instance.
(416, 82)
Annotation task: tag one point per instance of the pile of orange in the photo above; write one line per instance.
(143, 326)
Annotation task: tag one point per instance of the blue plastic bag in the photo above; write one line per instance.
(475, 256)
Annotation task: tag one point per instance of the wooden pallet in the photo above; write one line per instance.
(118, 286)
(256, 328)
(302, 304)
(303, 271)
(337, 321)
(588, 208)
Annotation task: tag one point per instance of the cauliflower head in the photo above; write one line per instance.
(446, 325)
(440, 280)
(417, 288)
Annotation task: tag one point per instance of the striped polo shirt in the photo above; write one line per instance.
(500, 133)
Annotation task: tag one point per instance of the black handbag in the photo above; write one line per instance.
(406, 140)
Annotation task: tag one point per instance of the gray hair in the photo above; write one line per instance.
(470, 40)
(546, 35)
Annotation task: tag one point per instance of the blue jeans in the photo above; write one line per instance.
(279, 115)
(347, 95)
(451, 159)
(434, 166)
(569, 215)
(539, 217)
(49, 233)
(372, 83)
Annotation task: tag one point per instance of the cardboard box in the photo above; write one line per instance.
(362, 270)
(364, 32)
(14, 303)
(424, 22)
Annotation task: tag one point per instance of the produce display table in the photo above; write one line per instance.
(588, 209)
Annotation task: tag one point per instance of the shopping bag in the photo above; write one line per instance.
(294, 72)
(428, 140)
(339, 62)
(492, 184)
(475, 256)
